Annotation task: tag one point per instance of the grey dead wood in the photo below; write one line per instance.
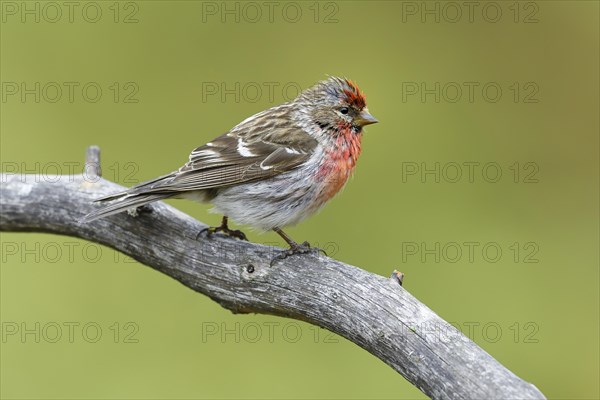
(374, 312)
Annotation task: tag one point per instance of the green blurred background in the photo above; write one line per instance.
(161, 67)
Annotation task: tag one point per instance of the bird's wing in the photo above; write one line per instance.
(239, 156)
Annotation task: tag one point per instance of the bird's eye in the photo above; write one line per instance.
(344, 110)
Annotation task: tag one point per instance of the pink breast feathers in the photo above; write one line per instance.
(338, 165)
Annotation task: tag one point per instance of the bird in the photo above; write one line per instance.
(273, 169)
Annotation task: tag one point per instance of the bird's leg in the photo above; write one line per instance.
(225, 229)
(295, 248)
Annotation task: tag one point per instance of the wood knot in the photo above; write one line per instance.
(398, 277)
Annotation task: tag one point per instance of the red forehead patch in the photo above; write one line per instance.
(354, 96)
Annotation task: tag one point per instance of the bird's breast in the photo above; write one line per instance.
(338, 165)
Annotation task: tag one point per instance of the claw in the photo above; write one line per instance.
(224, 228)
(296, 248)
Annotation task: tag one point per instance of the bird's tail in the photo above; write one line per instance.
(136, 196)
(124, 203)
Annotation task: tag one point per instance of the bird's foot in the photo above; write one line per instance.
(224, 228)
(296, 248)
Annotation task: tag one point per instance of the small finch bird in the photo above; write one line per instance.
(271, 170)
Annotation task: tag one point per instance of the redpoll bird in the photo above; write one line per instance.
(271, 170)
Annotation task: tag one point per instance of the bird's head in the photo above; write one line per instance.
(336, 104)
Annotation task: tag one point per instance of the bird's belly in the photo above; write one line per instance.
(272, 203)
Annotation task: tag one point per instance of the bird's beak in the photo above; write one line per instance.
(364, 118)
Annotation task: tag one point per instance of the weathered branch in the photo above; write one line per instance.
(372, 311)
